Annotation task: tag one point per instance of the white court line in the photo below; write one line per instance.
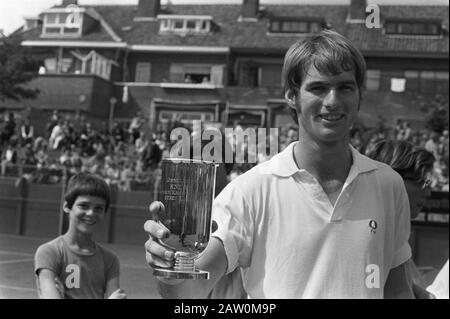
(15, 253)
(13, 261)
(17, 288)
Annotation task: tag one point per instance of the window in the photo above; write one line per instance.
(254, 76)
(178, 24)
(271, 75)
(50, 65)
(295, 26)
(52, 18)
(263, 73)
(62, 24)
(412, 81)
(204, 26)
(398, 85)
(185, 117)
(31, 24)
(427, 82)
(373, 80)
(164, 25)
(185, 24)
(196, 73)
(191, 24)
(413, 27)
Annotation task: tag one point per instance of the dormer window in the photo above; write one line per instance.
(182, 24)
(413, 27)
(295, 25)
(31, 23)
(62, 23)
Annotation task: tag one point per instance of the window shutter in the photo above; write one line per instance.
(373, 80)
(176, 73)
(142, 72)
(271, 75)
(217, 74)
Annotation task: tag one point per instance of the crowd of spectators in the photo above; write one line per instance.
(436, 143)
(124, 155)
(128, 157)
(363, 138)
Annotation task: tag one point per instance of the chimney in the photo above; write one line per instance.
(250, 9)
(357, 10)
(65, 3)
(148, 9)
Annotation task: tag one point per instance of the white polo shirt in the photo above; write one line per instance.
(278, 225)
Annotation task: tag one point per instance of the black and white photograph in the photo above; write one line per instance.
(237, 153)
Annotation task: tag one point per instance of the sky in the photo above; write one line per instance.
(12, 12)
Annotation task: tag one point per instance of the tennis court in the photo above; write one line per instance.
(17, 279)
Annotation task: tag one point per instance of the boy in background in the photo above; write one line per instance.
(73, 265)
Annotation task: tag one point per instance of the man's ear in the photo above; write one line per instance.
(290, 96)
(66, 208)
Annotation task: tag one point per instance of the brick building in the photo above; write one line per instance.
(222, 63)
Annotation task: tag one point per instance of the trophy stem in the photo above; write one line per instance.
(184, 262)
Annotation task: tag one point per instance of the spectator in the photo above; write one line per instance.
(112, 174)
(152, 155)
(399, 130)
(9, 158)
(57, 135)
(54, 120)
(29, 156)
(42, 156)
(65, 158)
(432, 144)
(27, 132)
(118, 133)
(407, 131)
(414, 165)
(75, 162)
(9, 128)
(140, 144)
(126, 176)
(135, 127)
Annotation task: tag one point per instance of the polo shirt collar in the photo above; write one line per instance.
(283, 164)
(361, 162)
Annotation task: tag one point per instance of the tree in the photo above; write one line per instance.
(14, 65)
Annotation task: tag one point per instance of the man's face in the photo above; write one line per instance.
(326, 105)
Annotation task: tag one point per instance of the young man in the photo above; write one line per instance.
(319, 220)
(415, 166)
(73, 266)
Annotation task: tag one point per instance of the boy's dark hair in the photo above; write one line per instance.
(403, 157)
(87, 184)
(329, 52)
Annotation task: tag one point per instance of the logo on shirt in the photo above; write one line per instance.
(73, 278)
(373, 276)
(373, 226)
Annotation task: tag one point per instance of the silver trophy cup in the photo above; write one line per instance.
(187, 191)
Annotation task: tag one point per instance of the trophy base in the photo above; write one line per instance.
(173, 274)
